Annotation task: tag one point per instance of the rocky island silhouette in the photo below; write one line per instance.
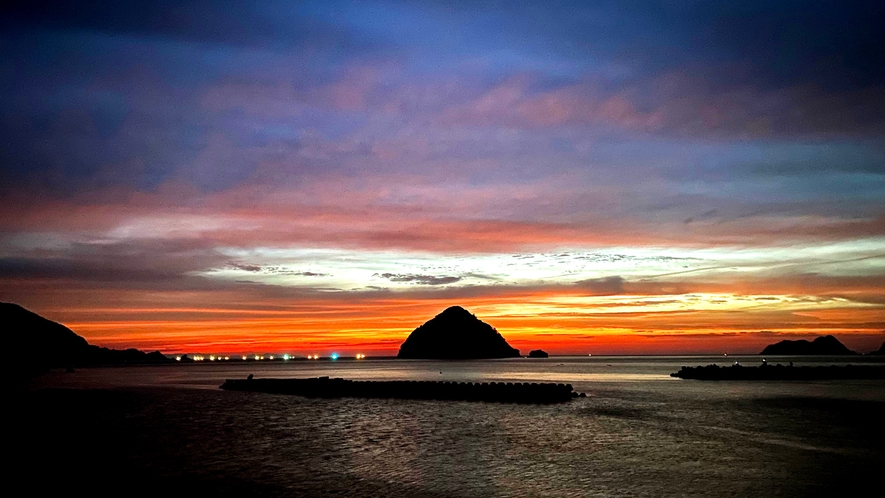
(824, 345)
(455, 334)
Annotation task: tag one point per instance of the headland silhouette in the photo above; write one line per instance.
(41, 344)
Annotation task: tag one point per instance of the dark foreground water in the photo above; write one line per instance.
(168, 430)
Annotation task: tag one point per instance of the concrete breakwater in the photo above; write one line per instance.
(324, 387)
(781, 372)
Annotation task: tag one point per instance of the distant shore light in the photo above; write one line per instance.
(333, 356)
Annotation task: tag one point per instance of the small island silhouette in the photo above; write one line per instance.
(41, 344)
(455, 334)
(824, 345)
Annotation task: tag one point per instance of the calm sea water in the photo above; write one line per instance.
(638, 433)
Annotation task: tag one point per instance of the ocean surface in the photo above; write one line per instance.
(142, 431)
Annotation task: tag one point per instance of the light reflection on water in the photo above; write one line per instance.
(582, 372)
(638, 433)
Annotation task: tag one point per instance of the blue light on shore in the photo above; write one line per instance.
(333, 356)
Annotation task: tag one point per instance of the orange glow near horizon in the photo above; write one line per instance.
(558, 322)
(605, 300)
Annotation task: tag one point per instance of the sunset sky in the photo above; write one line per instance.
(306, 177)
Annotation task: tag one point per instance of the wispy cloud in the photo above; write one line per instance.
(419, 279)
(588, 169)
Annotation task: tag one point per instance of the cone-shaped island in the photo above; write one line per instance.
(455, 334)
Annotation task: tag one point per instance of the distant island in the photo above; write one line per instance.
(40, 344)
(880, 351)
(538, 353)
(822, 346)
(455, 334)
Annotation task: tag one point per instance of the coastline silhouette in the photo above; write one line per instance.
(41, 344)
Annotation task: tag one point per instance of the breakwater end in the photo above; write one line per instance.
(781, 372)
(324, 387)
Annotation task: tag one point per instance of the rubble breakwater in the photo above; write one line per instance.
(324, 387)
(781, 372)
